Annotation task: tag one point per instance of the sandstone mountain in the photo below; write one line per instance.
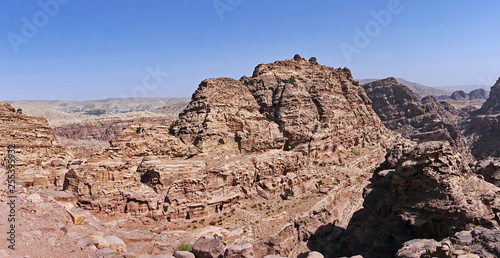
(485, 126)
(417, 88)
(418, 119)
(263, 139)
(430, 193)
(296, 158)
(461, 95)
(39, 157)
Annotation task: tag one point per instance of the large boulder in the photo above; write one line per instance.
(208, 247)
(239, 251)
(183, 254)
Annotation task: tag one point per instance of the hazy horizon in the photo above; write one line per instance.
(89, 50)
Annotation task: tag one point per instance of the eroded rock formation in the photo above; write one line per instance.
(236, 142)
(420, 120)
(485, 126)
(224, 114)
(430, 193)
(40, 159)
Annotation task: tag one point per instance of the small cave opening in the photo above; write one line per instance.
(151, 177)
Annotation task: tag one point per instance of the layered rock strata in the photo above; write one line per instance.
(39, 158)
(485, 126)
(417, 119)
(430, 193)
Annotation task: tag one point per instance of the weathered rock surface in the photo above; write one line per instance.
(490, 170)
(224, 114)
(430, 194)
(320, 110)
(478, 242)
(40, 159)
(420, 120)
(183, 254)
(239, 251)
(208, 247)
(293, 126)
(232, 147)
(485, 126)
(148, 140)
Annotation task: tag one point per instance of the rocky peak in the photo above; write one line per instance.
(459, 95)
(492, 104)
(223, 114)
(485, 126)
(478, 94)
(420, 120)
(6, 107)
(305, 98)
(387, 92)
(39, 156)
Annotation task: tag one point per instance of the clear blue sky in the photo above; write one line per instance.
(98, 49)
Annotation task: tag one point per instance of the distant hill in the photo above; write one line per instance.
(417, 88)
(465, 88)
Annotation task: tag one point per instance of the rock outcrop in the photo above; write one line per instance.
(430, 194)
(478, 94)
(490, 169)
(318, 108)
(459, 95)
(261, 138)
(477, 242)
(224, 114)
(40, 159)
(208, 247)
(485, 126)
(420, 120)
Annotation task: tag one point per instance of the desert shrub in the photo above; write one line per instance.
(185, 247)
(289, 192)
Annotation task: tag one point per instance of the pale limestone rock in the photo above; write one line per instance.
(77, 216)
(116, 243)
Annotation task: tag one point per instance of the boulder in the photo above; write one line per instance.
(183, 254)
(208, 247)
(314, 254)
(239, 251)
(77, 216)
(116, 243)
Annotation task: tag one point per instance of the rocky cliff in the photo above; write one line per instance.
(430, 193)
(40, 159)
(420, 120)
(295, 128)
(321, 110)
(224, 114)
(485, 126)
